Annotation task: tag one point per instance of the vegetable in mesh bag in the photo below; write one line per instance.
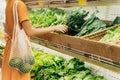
(21, 56)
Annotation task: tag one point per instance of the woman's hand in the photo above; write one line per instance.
(60, 28)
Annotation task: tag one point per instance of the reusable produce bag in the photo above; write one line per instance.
(21, 56)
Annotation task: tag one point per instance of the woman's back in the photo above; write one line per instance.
(22, 13)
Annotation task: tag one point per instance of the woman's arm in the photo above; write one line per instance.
(26, 25)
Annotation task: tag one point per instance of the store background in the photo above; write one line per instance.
(105, 12)
(2, 11)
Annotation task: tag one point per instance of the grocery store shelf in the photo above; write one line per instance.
(85, 58)
(60, 47)
(65, 5)
(98, 68)
(74, 3)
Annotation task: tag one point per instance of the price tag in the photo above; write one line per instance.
(40, 3)
(82, 2)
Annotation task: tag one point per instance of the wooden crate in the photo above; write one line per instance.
(99, 34)
(111, 50)
(89, 43)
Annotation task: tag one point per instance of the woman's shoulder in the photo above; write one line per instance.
(21, 4)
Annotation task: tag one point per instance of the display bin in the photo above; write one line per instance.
(91, 47)
(110, 51)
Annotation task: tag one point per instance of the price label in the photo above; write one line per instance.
(40, 3)
(82, 2)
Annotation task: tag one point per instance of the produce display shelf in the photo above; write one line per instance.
(98, 68)
(75, 53)
(60, 47)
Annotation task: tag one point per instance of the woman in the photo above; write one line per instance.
(9, 73)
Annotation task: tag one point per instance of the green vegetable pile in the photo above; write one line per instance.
(47, 17)
(116, 21)
(112, 36)
(1, 53)
(52, 67)
(93, 24)
(1, 49)
(75, 20)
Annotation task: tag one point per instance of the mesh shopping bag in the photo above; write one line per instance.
(21, 56)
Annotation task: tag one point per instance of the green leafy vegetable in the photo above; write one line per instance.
(53, 67)
(98, 78)
(1, 49)
(112, 36)
(47, 17)
(116, 21)
(93, 24)
(75, 20)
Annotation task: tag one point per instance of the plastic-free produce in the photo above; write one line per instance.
(112, 36)
(25, 68)
(53, 67)
(93, 24)
(75, 20)
(15, 62)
